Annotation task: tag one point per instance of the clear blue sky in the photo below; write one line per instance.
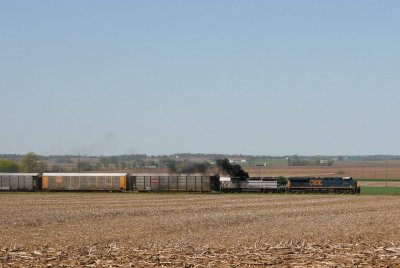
(161, 77)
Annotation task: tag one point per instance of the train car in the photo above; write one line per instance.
(84, 181)
(323, 185)
(268, 184)
(171, 182)
(228, 184)
(20, 181)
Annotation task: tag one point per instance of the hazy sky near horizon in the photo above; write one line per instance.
(163, 77)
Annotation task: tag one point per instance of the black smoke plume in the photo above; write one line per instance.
(235, 171)
(186, 167)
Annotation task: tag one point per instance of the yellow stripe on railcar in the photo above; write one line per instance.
(45, 182)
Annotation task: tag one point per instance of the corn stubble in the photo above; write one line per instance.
(194, 230)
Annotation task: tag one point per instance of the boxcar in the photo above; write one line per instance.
(84, 181)
(327, 185)
(20, 181)
(170, 182)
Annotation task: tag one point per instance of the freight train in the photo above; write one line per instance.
(169, 182)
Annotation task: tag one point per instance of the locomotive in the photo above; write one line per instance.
(323, 185)
(265, 185)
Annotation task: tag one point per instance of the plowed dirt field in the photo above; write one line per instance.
(214, 230)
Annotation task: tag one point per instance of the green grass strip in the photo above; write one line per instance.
(380, 180)
(381, 190)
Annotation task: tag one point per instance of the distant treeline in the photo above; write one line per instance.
(183, 162)
(28, 163)
(374, 157)
(307, 162)
(130, 157)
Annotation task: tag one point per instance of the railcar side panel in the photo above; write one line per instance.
(84, 181)
(19, 181)
(171, 183)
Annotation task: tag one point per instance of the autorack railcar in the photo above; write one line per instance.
(326, 184)
(20, 181)
(84, 181)
(172, 182)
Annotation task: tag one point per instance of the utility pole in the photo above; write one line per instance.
(386, 173)
(79, 163)
(386, 169)
(259, 170)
